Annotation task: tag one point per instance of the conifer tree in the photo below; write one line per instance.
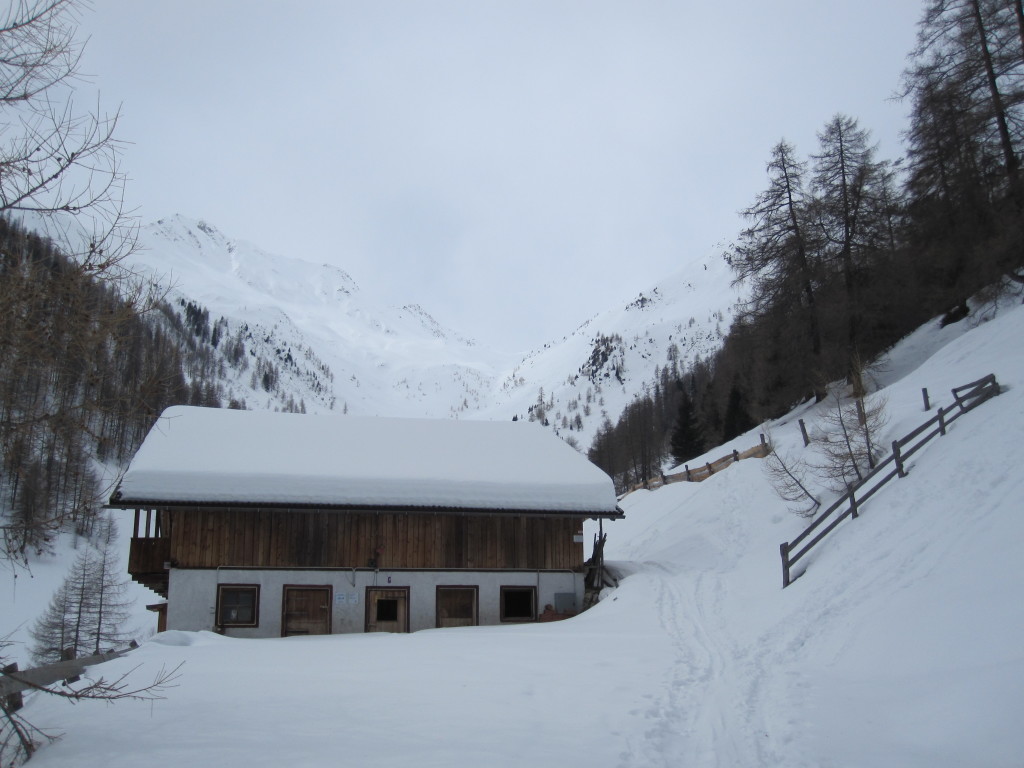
(846, 176)
(112, 606)
(63, 625)
(688, 436)
(737, 419)
(848, 442)
(88, 611)
(774, 253)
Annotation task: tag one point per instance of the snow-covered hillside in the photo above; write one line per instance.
(899, 646)
(335, 348)
(598, 369)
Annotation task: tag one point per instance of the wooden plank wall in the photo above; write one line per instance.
(207, 538)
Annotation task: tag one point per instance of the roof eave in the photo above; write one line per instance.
(122, 503)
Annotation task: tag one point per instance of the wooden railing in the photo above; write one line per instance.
(703, 473)
(148, 555)
(710, 468)
(147, 562)
(966, 398)
(13, 681)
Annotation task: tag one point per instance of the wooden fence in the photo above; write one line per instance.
(966, 398)
(13, 681)
(703, 473)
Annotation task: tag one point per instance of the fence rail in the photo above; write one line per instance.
(966, 398)
(13, 681)
(703, 473)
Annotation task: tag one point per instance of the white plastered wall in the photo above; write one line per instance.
(192, 594)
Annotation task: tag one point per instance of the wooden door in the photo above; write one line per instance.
(307, 611)
(387, 610)
(456, 606)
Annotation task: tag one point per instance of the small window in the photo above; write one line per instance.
(238, 605)
(518, 603)
(387, 609)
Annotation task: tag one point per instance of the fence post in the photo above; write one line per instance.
(784, 551)
(942, 422)
(688, 478)
(853, 503)
(14, 700)
(69, 654)
(898, 459)
(803, 431)
(735, 455)
(710, 470)
(924, 393)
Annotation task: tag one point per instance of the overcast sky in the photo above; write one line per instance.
(515, 167)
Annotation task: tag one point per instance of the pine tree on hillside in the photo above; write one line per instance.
(88, 611)
(52, 630)
(688, 436)
(774, 254)
(112, 606)
(848, 189)
(737, 419)
(62, 625)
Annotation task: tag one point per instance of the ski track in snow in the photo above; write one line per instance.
(705, 714)
(701, 715)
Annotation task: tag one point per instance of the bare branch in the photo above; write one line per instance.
(787, 475)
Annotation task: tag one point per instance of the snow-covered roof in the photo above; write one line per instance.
(228, 457)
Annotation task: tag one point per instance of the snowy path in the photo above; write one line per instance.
(702, 713)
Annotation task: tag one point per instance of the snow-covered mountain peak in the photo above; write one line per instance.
(598, 369)
(202, 257)
(326, 344)
(433, 327)
(332, 346)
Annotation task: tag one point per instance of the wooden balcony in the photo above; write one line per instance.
(147, 559)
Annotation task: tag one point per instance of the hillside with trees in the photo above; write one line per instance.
(845, 252)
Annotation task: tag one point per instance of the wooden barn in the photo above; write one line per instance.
(262, 524)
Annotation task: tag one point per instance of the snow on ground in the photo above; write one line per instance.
(899, 646)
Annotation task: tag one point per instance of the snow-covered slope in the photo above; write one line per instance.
(599, 368)
(899, 646)
(336, 348)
